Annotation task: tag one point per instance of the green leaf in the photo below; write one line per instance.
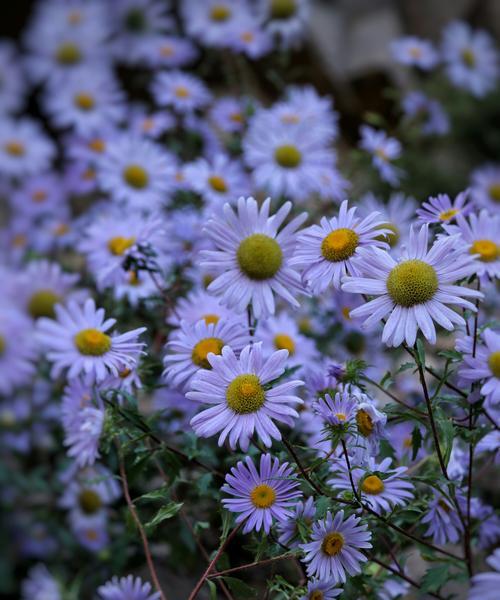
(416, 442)
(405, 367)
(448, 433)
(435, 578)
(213, 589)
(159, 494)
(240, 589)
(420, 352)
(165, 512)
(450, 354)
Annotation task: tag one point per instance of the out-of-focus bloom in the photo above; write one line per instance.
(241, 401)
(262, 496)
(17, 351)
(485, 365)
(24, 148)
(127, 588)
(444, 524)
(485, 585)
(485, 187)
(442, 209)
(40, 585)
(289, 529)
(286, 20)
(13, 85)
(321, 590)
(414, 52)
(397, 215)
(384, 150)
(338, 412)
(182, 91)
(429, 112)
(39, 195)
(229, 114)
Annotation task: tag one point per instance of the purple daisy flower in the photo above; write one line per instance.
(289, 530)
(485, 585)
(444, 525)
(442, 209)
(384, 150)
(182, 91)
(335, 547)
(40, 585)
(485, 187)
(24, 148)
(337, 412)
(261, 496)
(17, 352)
(429, 112)
(415, 290)
(414, 52)
(77, 340)
(127, 588)
(379, 486)
(321, 590)
(242, 402)
(254, 255)
(485, 366)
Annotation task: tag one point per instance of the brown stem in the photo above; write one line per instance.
(402, 575)
(257, 563)
(393, 397)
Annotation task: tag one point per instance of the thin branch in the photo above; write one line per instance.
(402, 575)
(393, 397)
(257, 563)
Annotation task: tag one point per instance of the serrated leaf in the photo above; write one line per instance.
(165, 512)
(420, 352)
(435, 577)
(241, 589)
(159, 494)
(405, 366)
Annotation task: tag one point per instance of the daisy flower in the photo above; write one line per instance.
(485, 187)
(384, 150)
(83, 434)
(40, 585)
(255, 255)
(485, 366)
(248, 37)
(170, 51)
(285, 20)
(212, 22)
(136, 170)
(335, 547)
(13, 86)
(16, 350)
(397, 214)
(282, 333)
(39, 195)
(414, 52)
(150, 125)
(198, 305)
(338, 412)
(242, 402)
(90, 532)
(485, 585)
(188, 350)
(470, 58)
(285, 160)
(379, 486)
(182, 91)
(442, 210)
(24, 148)
(321, 590)
(330, 250)
(288, 529)
(415, 290)
(444, 525)
(229, 114)
(127, 588)
(219, 180)
(261, 496)
(78, 341)
(135, 286)
(481, 234)
(428, 112)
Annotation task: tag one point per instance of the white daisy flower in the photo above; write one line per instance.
(182, 91)
(24, 148)
(485, 187)
(415, 290)
(255, 256)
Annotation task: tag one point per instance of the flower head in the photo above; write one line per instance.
(415, 52)
(127, 588)
(384, 150)
(485, 585)
(485, 365)
(289, 529)
(442, 209)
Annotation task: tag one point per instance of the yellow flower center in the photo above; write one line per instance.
(468, 57)
(84, 101)
(92, 342)
(494, 363)
(42, 304)
(290, 119)
(288, 156)
(39, 196)
(444, 505)
(381, 153)
(2, 345)
(236, 117)
(391, 238)
(203, 348)
(283, 9)
(341, 416)
(247, 36)
(218, 184)
(332, 543)
(68, 54)
(339, 244)
(118, 244)
(365, 423)
(446, 215)
(259, 256)
(487, 250)
(89, 501)
(97, 145)
(282, 341)
(61, 229)
(305, 325)
(408, 442)
(372, 485)
(263, 496)
(148, 124)
(136, 176)
(210, 318)
(494, 192)
(181, 91)
(412, 282)
(124, 373)
(245, 394)
(220, 13)
(316, 595)
(14, 148)
(74, 17)
(346, 313)
(415, 52)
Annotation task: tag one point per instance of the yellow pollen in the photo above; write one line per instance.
(89, 501)
(2, 345)
(408, 442)
(166, 51)
(372, 485)
(247, 36)
(339, 244)
(97, 145)
(89, 174)
(133, 278)
(283, 9)
(118, 244)
(74, 17)
(415, 52)
(236, 117)
(332, 543)
(124, 373)
(304, 325)
(68, 54)
(148, 124)
(468, 58)
(39, 196)
(84, 101)
(365, 423)
(61, 229)
(494, 192)
(245, 394)
(446, 215)
(288, 156)
(211, 318)
(218, 184)
(136, 176)
(91, 534)
(487, 249)
(181, 91)
(42, 304)
(381, 153)
(92, 342)
(412, 282)
(14, 148)
(341, 416)
(282, 341)
(220, 13)
(494, 363)
(346, 313)
(19, 240)
(203, 348)
(290, 119)
(391, 238)
(259, 256)
(316, 595)
(263, 496)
